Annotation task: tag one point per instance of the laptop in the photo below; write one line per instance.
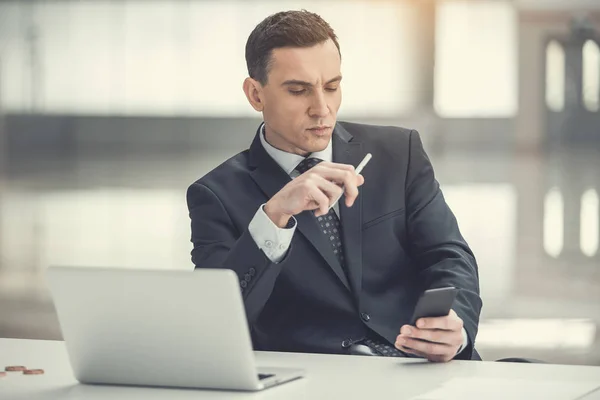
(158, 328)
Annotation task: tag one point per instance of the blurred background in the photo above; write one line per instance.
(110, 109)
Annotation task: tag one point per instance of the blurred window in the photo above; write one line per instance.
(555, 76)
(476, 59)
(591, 76)
(187, 57)
(553, 222)
(589, 223)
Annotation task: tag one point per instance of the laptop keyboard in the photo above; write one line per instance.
(264, 376)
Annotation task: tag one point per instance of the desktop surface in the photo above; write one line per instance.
(328, 377)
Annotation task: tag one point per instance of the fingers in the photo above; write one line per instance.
(360, 180)
(343, 167)
(332, 190)
(437, 338)
(331, 180)
(329, 189)
(343, 175)
(450, 322)
(451, 338)
(436, 349)
(318, 199)
(436, 352)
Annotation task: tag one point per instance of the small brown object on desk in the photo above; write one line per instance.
(33, 372)
(15, 368)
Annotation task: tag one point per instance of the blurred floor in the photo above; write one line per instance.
(540, 282)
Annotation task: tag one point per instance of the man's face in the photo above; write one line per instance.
(302, 97)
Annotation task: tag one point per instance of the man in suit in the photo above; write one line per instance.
(345, 280)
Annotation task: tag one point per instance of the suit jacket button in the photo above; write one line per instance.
(346, 343)
(365, 317)
(252, 271)
(247, 277)
(244, 284)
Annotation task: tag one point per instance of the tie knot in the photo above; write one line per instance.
(307, 164)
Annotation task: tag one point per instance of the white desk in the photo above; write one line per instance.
(329, 377)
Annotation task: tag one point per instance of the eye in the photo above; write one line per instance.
(331, 89)
(297, 92)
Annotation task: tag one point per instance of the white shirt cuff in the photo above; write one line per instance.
(271, 239)
(465, 342)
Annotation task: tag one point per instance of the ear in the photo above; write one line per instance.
(253, 91)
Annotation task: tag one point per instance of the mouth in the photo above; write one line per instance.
(320, 130)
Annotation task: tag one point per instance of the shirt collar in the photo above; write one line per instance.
(288, 161)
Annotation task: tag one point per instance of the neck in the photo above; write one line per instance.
(280, 144)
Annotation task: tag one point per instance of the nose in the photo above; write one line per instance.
(319, 107)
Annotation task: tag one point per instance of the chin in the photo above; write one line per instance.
(318, 145)
(313, 143)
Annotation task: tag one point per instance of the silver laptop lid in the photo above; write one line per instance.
(154, 327)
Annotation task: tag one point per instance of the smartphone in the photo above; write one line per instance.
(434, 303)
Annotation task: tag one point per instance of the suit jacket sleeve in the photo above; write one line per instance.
(436, 244)
(219, 244)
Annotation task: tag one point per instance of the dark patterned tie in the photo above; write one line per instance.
(383, 349)
(330, 227)
(329, 223)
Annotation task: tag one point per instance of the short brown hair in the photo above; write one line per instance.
(284, 29)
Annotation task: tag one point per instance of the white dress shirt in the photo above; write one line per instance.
(273, 240)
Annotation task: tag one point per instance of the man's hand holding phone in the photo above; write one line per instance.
(435, 338)
(436, 333)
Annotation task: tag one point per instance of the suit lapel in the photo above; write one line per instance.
(348, 152)
(270, 177)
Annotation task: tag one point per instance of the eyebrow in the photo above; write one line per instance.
(308, 84)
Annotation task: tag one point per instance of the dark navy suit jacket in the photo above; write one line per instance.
(400, 238)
